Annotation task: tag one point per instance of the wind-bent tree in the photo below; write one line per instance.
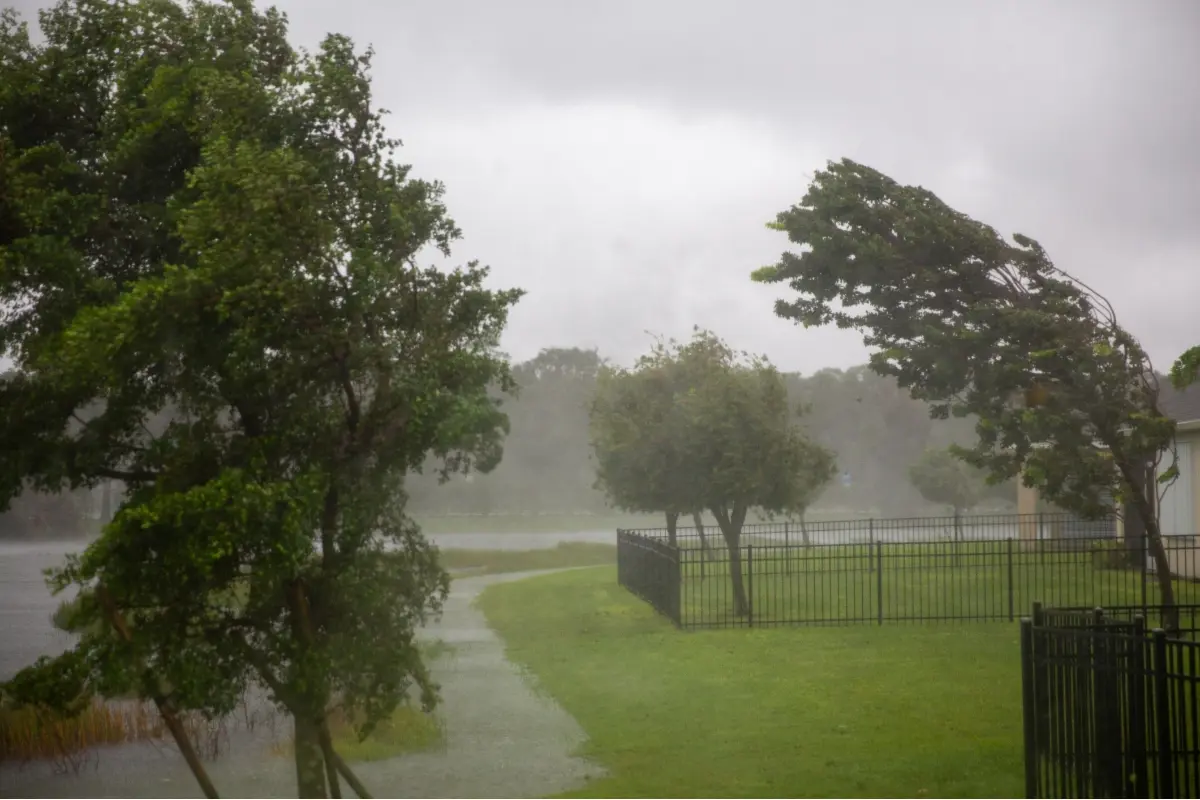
(979, 326)
(195, 217)
(946, 480)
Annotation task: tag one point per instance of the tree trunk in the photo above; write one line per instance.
(310, 762)
(165, 708)
(1147, 513)
(705, 547)
(672, 524)
(731, 528)
(327, 755)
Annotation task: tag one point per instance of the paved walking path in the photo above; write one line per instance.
(502, 739)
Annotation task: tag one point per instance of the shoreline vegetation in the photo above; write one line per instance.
(72, 743)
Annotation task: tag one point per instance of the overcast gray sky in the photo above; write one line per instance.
(619, 159)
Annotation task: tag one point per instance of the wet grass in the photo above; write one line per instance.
(996, 580)
(565, 554)
(533, 523)
(857, 711)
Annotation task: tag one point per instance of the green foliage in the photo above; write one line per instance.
(978, 326)
(943, 479)
(1186, 369)
(697, 426)
(209, 264)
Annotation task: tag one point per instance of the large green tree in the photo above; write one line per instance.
(980, 326)
(201, 225)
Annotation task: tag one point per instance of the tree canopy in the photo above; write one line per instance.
(942, 478)
(196, 217)
(977, 325)
(1186, 369)
(697, 426)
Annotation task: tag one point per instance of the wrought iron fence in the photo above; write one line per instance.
(1111, 709)
(649, 568)
(910, 570)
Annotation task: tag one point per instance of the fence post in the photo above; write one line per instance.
(677, 593)
(1145, 568)
(787, 547)
(871, 545)
(1029, 708)
(623, 558)
(1137, 707)
(750, 584)
(879, 578)
(1165, 785)
(1010, 580)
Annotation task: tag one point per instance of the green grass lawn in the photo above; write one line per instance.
(565, 554)
(937, 580)
(857, 711)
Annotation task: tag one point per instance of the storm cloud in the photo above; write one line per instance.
(619, 159)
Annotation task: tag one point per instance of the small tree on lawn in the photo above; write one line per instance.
(817, 468)
(741, 441)
(942, 478)
(976, 325)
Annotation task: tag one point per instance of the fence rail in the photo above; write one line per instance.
(877, 571)
(1111, 709)
(1059, 527)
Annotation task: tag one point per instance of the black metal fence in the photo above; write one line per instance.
(897, 570)
(649, 568)
(1111, 708)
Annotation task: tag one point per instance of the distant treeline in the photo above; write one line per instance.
(875, 428)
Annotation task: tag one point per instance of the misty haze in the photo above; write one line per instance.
(465, 399)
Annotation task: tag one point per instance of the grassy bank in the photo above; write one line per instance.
(534, 523)
(891, 711)
(565, 554)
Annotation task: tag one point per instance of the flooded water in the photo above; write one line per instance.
(26, 604)
(531, 760)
